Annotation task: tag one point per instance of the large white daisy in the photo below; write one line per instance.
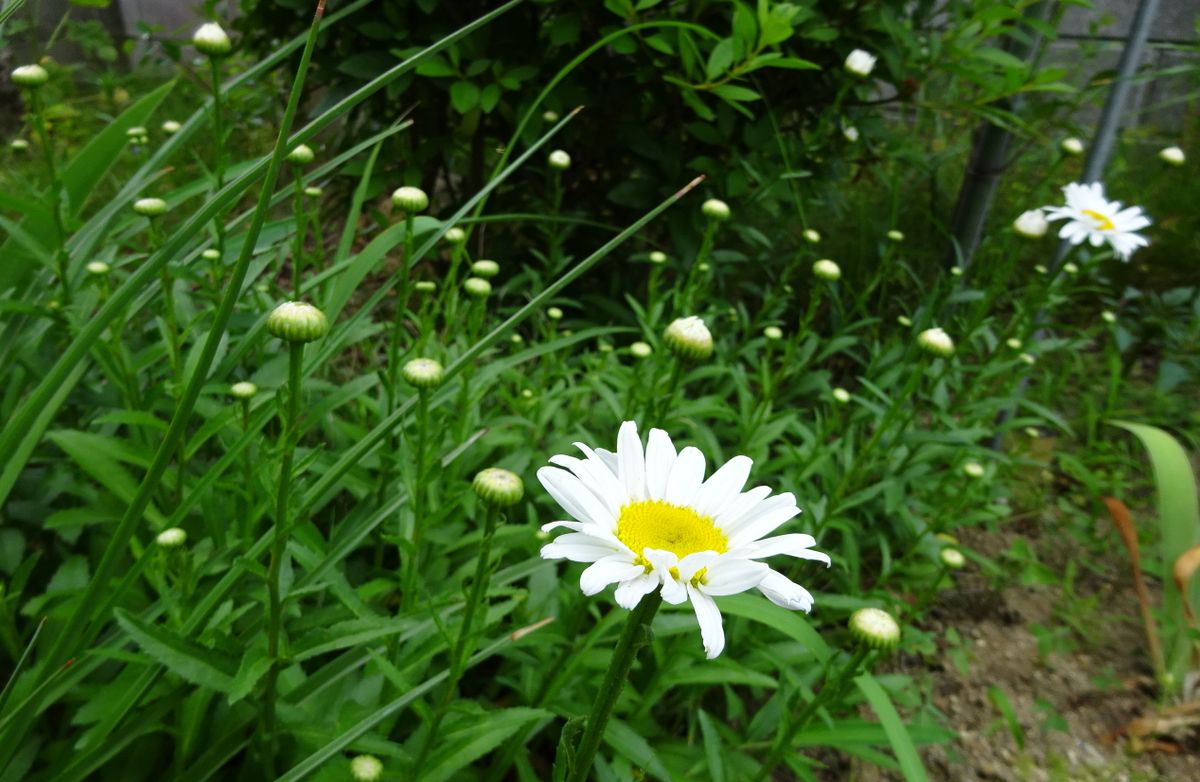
(648, 520)
(1092, 217)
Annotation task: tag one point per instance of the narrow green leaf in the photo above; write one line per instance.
(791, 624)
(893, 726)
(193, 663)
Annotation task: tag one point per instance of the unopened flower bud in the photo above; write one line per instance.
(1070, 268)
(135, 133)
(851, 133)
(150, 207)
(1031, 224)
(827, 270)
(297, 321)
(423, 373)
(952, 558)
(498, 488)
(895, 236)
(485, 269)
(171, 127)
(973, 470)
(904, 320)
(517, 339)
(715, 209)
(1108, 317)
(549, 116)
(875, 628)
(212, 41)
(937, 342)
(243, 390)
(554, 313)
(841, 395)
(31, 76)
(640, 350)
(19, 145)
(689, 339)
(773, 332)
(657, 256)
(477, 288)
(559, 160)
(410, 199)
(366, 768)
(860, 63)
(98, 268)
(312, 191)
(956, 271)
(811, 236)
(211, 254)
(425, 286)
(1013, 343)
(455, 235)
(1040, 268)
(301, 155)
(1072, 146)
(172, 537)
(1172, 156)
(1028, 359)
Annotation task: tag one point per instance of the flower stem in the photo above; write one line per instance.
(412, 561)
(219, 163)
(60, 234)
(632, 638)
(298, 212)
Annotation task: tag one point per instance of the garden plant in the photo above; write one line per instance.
(548, 390)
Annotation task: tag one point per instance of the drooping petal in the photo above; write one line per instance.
(631, 592)
(782, 591)
(660, 458)
(686, 476)
(712, 634)
(722, 485)
(631, 461)
(569, 492)
(733, 576)
(611, 569)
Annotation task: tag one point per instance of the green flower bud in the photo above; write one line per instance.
(485, 269)
(301, 155)
(559, 160)
(173, 537)
(243, 390)
(171, 127)
(549, 116)
(19, 145)
(297, 321)
(150, 207)
(425, 286)
(498, 488)
(312, 191)
(689, 339)
(827, 270)
(773, 332)
(212, 41)
(937, 342)
(455, 235)
(366, 768)
(410, 199)
(554, 313)
(952, 558)
(423, 373)
(31, 76)
(895, 236)
(657, 256)
(811, 236)
(841, 395)
(875, 628)
(98, 268)
(715, 209)
(904, 320)
(211, 254)
(1072, 146)
(973, 470)
(640, 350)
(477, 288)
(1013, 343)
(1108, 317)
(1172, 156)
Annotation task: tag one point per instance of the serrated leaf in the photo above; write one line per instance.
(189, 661)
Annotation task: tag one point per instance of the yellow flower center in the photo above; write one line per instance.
(1103, 222)
(659, 525)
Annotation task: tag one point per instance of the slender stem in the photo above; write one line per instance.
(660, 404)
(632, 637)
(417, 492)
(219, 163)
(288, 440)
(694, 274)
(247, 473)
(463, 645)
(298, 212)
(60, 232)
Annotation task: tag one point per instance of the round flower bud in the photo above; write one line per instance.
(559, 160)
(455, 235)
(98, 268)
(1032, 431)
(19, 145)
(1041, 268)
(604, 347)
(657, 256)
(773, 332)
(211, 254)
(425, 286)
(811, 236)
(704, 266)
(937, 342)
(366, 768)
(150, 207)
(477, 288)
(1072, 146)
(904, 320)
(973, 470)
(715, 209)
(526, 393)
(135, 133)
(31, 76)
(1172, 156)
(1031, 224)
(410, 199)
(1028, 359)
(423, 373)
(1108, 317)
(860, 63)
(689, 339)
(498, 488)
(212, 41)
(313, 191)
(517, 339)
(875, 628)
(841, 395)
(1013, 343)
(171, 127)
(172, 537)
(952, 558)
(640, 350)
(851, 133)
(301, 155)
(827, 270)
(554, 313)
(895, 236)
(1070, 268)
(243, 390)
(549, 116)
(297, 321)
(485, 269)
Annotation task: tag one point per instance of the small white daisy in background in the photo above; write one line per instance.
(1093, 218)
(860, 62)
(647, 520)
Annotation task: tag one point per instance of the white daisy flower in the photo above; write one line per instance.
(1092, 217)
(648, 520)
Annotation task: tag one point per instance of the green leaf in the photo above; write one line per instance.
(628, 742)
(713, 751)
(791, 624)
(101, 458)
(469, 742)
(464, 96)
(192, 662)
(902, 744)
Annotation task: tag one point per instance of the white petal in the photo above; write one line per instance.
(769, 515)
(608, 457)
(574, 497)
(660, 458)
(782, 591)
(733, 576)
(631, 461)
(597, 479)
(611, 569)
(673, 590)
(578, 547)
(793, 545)
(723, 485)
(739, 508)
(693, 563)
(631, 592)
(709, 617)
(686, 476)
